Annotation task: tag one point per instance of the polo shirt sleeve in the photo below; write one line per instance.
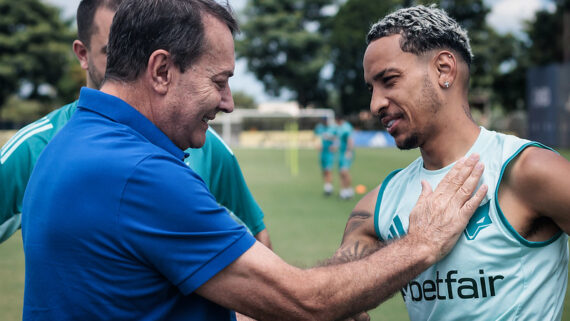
(226, 172)
(176, 226)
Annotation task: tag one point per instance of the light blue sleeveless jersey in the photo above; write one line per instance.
(492, 273)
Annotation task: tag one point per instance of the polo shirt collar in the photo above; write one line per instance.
(120, 111)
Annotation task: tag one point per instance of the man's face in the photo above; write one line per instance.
(198, 94)
(96, 54)
(402, 93)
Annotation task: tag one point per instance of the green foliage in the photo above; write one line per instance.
(348, 44)
(283, 44)
(34, 47)
(20, 112)
(545, 34)
(243, 100)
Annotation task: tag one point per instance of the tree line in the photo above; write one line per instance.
(291, 44)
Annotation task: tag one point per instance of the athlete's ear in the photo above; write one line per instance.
(446, 66)
(80, 51)
(160, 70)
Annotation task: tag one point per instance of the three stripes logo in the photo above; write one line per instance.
(396, 229)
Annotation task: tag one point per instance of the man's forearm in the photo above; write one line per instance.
(364, 284)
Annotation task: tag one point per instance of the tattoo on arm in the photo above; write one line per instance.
(357, 250)
(355, 220)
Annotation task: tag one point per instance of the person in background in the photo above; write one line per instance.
(214, 162)
(326, 133)
(345, 156)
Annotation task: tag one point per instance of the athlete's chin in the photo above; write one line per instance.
(407, 142)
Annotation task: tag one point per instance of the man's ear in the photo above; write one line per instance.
(80, 51)
(159, 70)
(446, 66)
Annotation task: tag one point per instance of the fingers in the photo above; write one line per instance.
(472, 204)
(439, 217)
(457, 175)
(426, 190)
(463, 200)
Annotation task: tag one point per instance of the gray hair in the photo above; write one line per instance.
(423, 29)
(141, 27)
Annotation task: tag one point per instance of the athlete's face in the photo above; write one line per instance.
(403, 97)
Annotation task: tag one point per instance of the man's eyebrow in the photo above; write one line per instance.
(383, 72)
(227, 73)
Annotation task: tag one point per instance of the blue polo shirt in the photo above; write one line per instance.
(117, 227)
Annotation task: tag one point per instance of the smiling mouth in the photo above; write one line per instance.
(390, 121)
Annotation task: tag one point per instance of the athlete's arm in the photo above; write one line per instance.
(261, 285)
(359, 239)
(538, 183)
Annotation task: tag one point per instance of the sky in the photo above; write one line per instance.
(505, 16)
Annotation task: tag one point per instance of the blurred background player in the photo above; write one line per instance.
(214, 162)
(343, 133)
(326, 132)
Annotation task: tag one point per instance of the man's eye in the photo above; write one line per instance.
(389, 81)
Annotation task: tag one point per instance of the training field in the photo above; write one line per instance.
(305, 227)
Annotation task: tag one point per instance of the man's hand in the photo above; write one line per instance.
(439, 217)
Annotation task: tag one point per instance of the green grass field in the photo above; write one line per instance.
(305, 226)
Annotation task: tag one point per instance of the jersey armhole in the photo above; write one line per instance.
(500, 213)
(379, 200)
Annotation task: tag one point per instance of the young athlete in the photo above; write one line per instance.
(345, 156)
(326, 132)
(511, 263)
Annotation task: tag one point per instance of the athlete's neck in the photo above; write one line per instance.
(449, 144)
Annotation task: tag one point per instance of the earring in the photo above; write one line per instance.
(446, 84)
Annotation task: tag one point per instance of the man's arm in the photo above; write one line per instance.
(263, 286)
(538, 183)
